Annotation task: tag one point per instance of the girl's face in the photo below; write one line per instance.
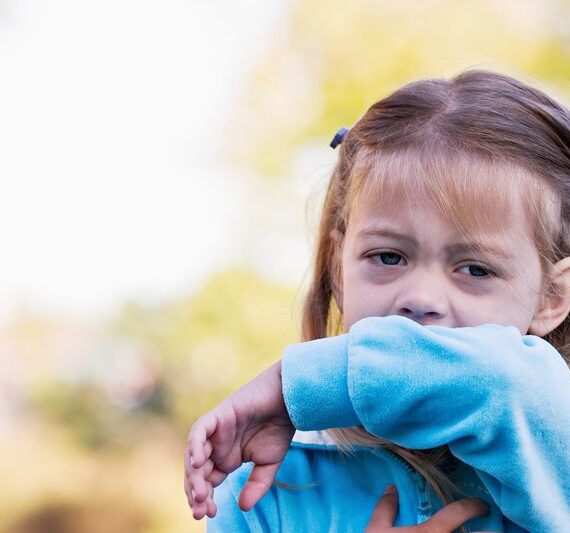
(401, 257)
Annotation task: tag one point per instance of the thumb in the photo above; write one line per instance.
(258, 483)
(385, 511)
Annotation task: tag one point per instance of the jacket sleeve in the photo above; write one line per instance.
(499, 400)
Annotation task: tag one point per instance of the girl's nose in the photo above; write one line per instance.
(423, 298)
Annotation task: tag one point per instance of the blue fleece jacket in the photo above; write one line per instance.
(499, 400)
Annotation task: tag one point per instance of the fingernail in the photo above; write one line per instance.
(390, 489)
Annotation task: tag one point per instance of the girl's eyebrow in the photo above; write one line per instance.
(375, 231)
(478, 247)
(459, 248)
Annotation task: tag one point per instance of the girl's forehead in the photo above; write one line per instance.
(475, 195)
(416, 217)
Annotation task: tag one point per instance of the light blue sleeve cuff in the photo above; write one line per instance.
(315, 384)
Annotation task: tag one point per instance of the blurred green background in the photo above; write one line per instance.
(185, 146)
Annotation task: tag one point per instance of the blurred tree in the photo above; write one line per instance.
(332, 59)
(80, 409)
(69, 517)
(212, 342)
(205, 346)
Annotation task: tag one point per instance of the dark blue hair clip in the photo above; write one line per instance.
(337, 139)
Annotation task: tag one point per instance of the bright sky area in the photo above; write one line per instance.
(108, 112)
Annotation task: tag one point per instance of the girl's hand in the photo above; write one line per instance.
(445, 520)
(250, 425)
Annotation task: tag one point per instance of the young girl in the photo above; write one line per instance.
(443, 255)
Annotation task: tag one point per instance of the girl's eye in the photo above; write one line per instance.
(476, 271)
(388, 258)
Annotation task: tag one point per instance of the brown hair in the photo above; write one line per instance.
(480, 124)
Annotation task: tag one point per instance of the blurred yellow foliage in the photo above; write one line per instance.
(83, 462)
(332, 59)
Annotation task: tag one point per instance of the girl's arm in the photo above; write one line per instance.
(501, 402)
(250, 425)
(253, 425)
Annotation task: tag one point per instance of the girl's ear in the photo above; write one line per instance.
(555, 304)
(337, 238)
